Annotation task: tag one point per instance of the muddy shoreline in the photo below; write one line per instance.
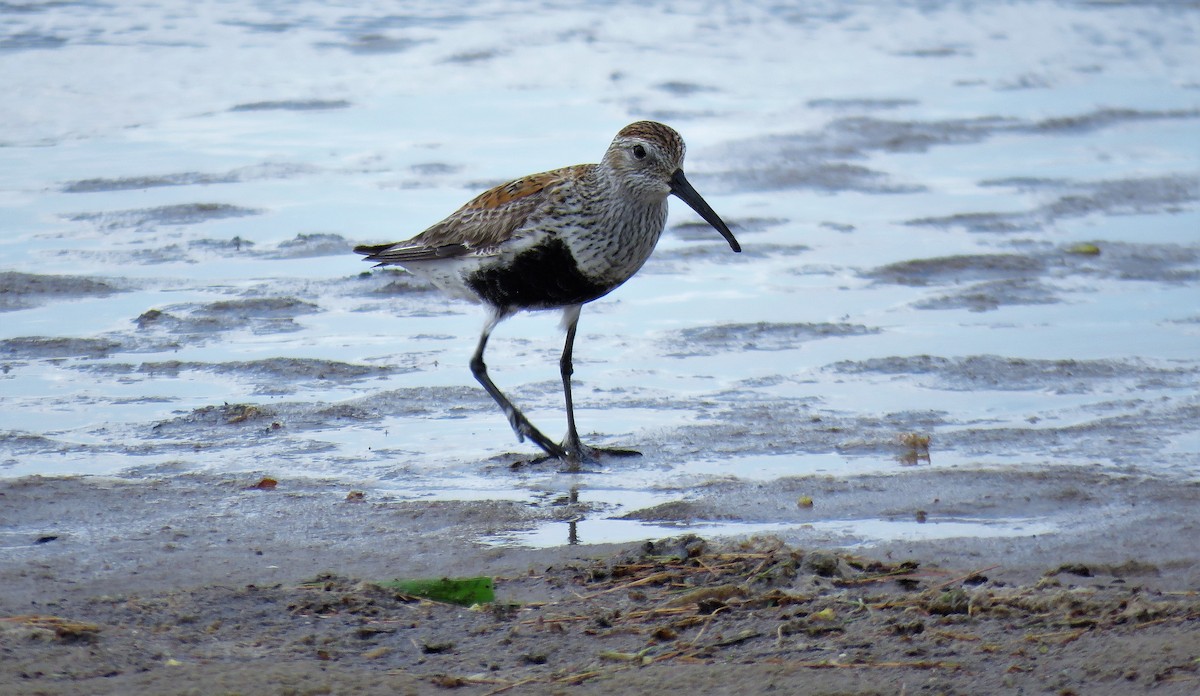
(118, 585)
(949, 390)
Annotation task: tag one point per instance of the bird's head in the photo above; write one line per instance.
(646, 159)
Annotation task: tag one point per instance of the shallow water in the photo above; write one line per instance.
(973, 221)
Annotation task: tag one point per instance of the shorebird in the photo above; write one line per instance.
(555, 240)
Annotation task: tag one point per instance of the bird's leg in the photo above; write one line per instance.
(520, 424)
(571, 444)
(577, 452)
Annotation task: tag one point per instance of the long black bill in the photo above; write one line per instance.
(680, 187)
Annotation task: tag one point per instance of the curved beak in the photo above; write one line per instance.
(680, 187)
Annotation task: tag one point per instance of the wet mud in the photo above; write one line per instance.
(707, 340)
(1124, 197)
(183, 214)
(949, 388)
(241, 174)
(1078, 614)
(828, 160)
(26, 290)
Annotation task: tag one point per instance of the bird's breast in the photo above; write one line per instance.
(617, 246)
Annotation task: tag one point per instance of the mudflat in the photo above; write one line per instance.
(194, 584)
(934, 431)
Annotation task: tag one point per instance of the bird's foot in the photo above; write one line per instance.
(571, 450)
(579, 452)
(577, 455)
(595, 454)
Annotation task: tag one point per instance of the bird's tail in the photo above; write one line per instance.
(371, 250)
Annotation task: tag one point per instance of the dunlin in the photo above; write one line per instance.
(555, 240)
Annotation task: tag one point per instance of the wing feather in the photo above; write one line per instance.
(483, 224)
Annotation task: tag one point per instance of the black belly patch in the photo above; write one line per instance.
(541, 277)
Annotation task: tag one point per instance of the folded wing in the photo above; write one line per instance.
(481, 226)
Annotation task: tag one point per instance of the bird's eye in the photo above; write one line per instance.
(639, 152)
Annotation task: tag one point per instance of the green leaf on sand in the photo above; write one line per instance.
(464, 591)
